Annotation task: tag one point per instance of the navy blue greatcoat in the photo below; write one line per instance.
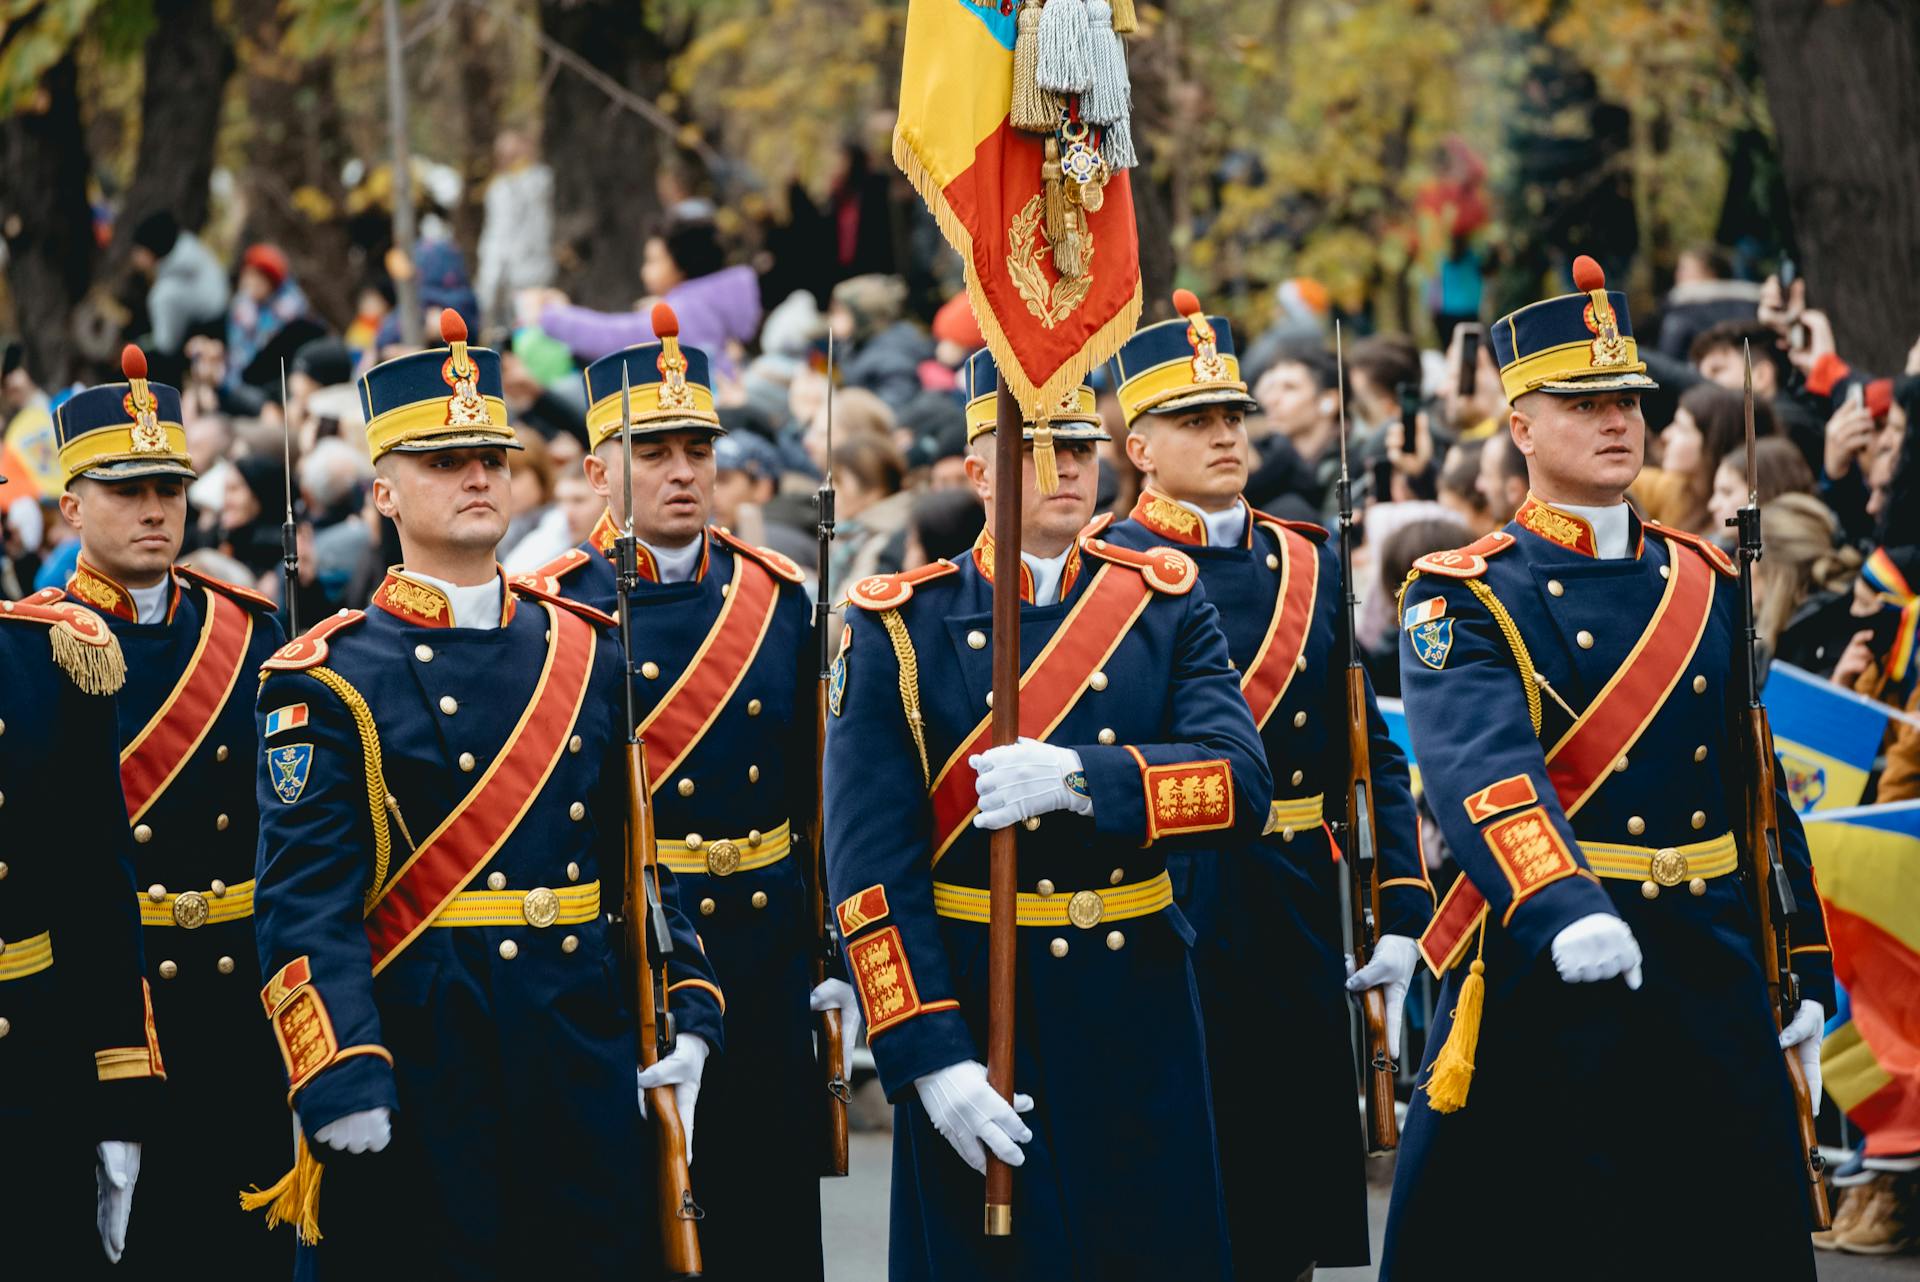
(78, 1059)
(740, 794)
(1269, 954)
(1578, 1089)
(197, 835)
(1121, 1179)
(506, 1051)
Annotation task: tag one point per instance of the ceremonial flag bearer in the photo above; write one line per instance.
(1268, 915)
(724, 641)
(1135, 742)
(437, 824)
(194, 645)
(80, 1066)
(1572, 690)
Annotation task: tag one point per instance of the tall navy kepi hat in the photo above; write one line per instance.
(445, 398)
(1573, 344)
(123, 431)
(1181, 364)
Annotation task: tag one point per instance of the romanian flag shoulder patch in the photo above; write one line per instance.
(291, 717)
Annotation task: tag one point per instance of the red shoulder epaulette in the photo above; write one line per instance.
(540, 592)
(1718, 559)
(781, 567)
(1469, 562)
(309, 649)
(1167, 570)
(245, 596)
(549, 575)
(1307, 529)
(45, 596)
(85, 625)
(1097, 526)
(891, 591)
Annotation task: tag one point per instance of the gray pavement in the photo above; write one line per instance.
(855, 1211)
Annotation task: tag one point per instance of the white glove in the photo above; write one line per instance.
(116, 1166)
(1803, 1037)
(680, 1069)
(1021, 780)
(368, 1131)
(968, 1112)
(1394, 958)
(1598, 946)
(837, 994)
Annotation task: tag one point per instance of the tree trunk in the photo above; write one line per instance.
(295, 146)
(188, 61)
(1840, 83)
(603, 159)
(46, 221)
(1150, 66)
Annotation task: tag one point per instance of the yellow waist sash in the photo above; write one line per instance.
(22, 957)
(1083, 908)
(1290, 816)
(192, 909)
(1666, 865)
(724, 856)
(539, 907)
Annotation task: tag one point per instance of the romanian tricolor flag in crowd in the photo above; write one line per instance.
(1867, 860)
(1886, 575)
(1014, 128)
(30, 456)
(1826, 737)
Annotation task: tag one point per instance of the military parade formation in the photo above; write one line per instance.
(424, 942)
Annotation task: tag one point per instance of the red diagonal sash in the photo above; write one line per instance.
(164, 745)
(1601, 735)
(1266, 679)
(1049, 688)
(469, 837)
(714, 673)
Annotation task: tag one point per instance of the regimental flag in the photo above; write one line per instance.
(1826, 737)
(30, 456)
(1868, 862)
(1028, 182)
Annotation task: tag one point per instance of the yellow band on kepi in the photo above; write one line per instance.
(106, 445)
(724, 856)
(1083, 908)
(603, 417)
(1571, 344)
(1167, 384)
(27, 956)
(421, 424)
(1080, 408)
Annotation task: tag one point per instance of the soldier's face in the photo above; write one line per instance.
(672, 485)
(1199, 455)
(1048, 522)
(1582, 449)
(453, 500)
(130, 530)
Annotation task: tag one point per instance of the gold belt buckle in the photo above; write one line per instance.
(190, 910)
(1085, 909)
(541, 907)
(1668, 866)
(723, 858)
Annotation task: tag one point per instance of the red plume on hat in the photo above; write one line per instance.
(666, 328)
(1187, 303)
(133, 361)
(665, 324)
(1587, 275)
(452, 328)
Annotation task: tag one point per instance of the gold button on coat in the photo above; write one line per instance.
(977, 639)
(1620, 766)
(1117, 876)
(3, 870)
(1300, 719)
(1697, 887)
(169, 969)
(1636, 825)
(754, 838)
(1556, 587)
(220, 753)
(6, 1026)
(1700, 685)
(1044, 887)
(1298, 775)
(570, 944)
(753, 774)
(220, 823)
(190, 911)
(449, 704)
(1031, 823)
(1699, 819)
(1664, 571)
(508, 950)
(541, 907)
(706, 907)
(142, 834)
(1116, 941)
(1700, 753)
(573, 744)
(573, 872)
(759, 899)
(496, 881)
(753, 707)
(219, 888)
(224, 965)
(650, 670)
(1583, 639)
(1057, 946)
(1106, 736)
(1086, 909)
(466, 761)
(686, 787)
(577, 811)
(723, 859)
(424, 653)
(1300, 664)
(1098, 681)
(694, 841)
(156, 892)
(1286, 833)
(1273, 562)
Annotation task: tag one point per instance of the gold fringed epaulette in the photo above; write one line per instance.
(83, 646)
(294, 1198)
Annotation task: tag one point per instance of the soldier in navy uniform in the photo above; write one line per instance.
(1139, 745)
(723, 638)
(80, 1066)
(440, 844)
(1572, 694)
(1269, 916)
(193, 648)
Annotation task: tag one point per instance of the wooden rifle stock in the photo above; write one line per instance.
(833, 1060)
(1783, 990)
(1378, 1069)
(679, 1213)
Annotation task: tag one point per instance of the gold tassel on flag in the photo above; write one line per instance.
(1034, 109)
(1124, 17)
(1046, 471)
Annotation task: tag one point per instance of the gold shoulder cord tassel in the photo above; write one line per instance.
(295, 1198)
(1452, 1074)
(96, 669)
(909, 686)
(1046, 471)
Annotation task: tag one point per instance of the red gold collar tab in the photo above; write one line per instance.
(983, 561)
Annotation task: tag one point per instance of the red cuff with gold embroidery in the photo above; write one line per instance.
(300, 1022)
(1530, 852)
(880, 971)
(1190, 797)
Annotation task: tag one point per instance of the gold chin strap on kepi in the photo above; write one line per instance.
(1046, 471)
